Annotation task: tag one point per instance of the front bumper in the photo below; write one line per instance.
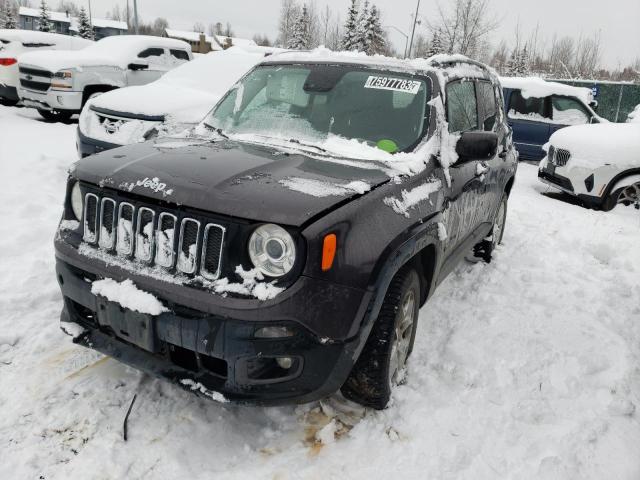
(51, 100)
(89, 146)
(9, 93)
(215, 346)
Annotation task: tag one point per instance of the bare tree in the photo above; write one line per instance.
(199, 27)
(465, 25)
(289, 12)
(588, 54)
(561, 56)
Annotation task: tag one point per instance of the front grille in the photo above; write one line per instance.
(559, 156)
(35, 72)
(154, 237)
(33, 85)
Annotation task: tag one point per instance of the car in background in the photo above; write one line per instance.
(599, 164)
(537, 108)
(17, 42)
(177, 101)
(58, 84)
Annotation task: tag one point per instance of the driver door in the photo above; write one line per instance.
(149, 66)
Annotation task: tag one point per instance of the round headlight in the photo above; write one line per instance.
(272, 250)
(77, 204)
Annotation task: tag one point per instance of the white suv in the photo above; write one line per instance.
(17, 42)
(58, 84)
(599, 164)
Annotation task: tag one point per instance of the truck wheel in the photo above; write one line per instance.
(55, 115)
(626, 196)
(484, 249)
(384, 356)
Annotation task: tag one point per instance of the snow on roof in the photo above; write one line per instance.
(106, 23)
(538, 88)
(118, 50)
(54, 16)
(238, 42)
(189, 36)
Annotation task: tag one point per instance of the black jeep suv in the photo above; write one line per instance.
(287, 243)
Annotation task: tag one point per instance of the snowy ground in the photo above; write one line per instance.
(525, 368)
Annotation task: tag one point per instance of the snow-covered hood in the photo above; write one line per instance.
(592, 146)
(183, 104)
(55, 60)
(229, 178)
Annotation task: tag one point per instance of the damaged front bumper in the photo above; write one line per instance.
(215, 350)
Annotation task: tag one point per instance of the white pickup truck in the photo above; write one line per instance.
(59, 83)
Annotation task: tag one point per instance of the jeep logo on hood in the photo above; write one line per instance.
(153, 184)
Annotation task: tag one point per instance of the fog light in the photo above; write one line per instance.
(285, 362)
(273, 332)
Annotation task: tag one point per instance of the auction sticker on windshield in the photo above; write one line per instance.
(395, 84)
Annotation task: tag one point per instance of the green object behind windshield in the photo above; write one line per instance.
(312, 103)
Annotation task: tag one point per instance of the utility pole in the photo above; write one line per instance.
(413, 31)
(90, 17)
(135, 15)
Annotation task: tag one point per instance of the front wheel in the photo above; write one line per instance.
(382, 362)
(55, 115)
(629, 195)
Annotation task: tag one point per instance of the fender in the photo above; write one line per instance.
(623, 182)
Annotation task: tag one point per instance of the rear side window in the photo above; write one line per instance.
(151, 52)
(462, 108)
(568, 111)
(180, 54)
(533, 108)
(488, 105)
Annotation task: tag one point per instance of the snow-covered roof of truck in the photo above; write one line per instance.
(36, 37)
(118, 50)
(538, 88)
(454, 65)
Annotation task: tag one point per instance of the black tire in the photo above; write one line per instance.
(484, 249)
(55, 115)
(7, 102)
(370, 382)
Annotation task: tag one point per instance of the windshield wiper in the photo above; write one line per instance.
(217, 130)
(298, 142)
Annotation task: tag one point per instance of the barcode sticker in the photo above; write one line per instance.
(395, 84)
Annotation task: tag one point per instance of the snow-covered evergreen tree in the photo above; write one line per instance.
(523, 62)
(85, 30)
(374, 38)
(350, 39)
(436, 46)
(300, 38)
(44, 23)
(512, 63)
(362, 28)
(7, 16)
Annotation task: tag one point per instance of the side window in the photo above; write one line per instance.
(462, 108)
(151, 52)
(180, 54)
(532, 108)
(568, 111)
(488, 105)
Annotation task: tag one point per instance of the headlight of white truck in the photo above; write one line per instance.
(62, 80)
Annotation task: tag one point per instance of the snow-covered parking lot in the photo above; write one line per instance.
(528, 367)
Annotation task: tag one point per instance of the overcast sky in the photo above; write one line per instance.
(617, 20)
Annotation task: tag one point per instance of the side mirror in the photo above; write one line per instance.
(137, 66)
(477, 146)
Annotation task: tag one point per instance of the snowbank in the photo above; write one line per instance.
(592, 146)
(118, 51)
(128, 296)
(538, 88)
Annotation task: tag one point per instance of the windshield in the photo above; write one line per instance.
(310, 103)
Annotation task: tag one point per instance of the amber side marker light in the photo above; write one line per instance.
(328, 251)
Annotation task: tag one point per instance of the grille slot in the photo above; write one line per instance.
(145, 234)
(33, 85)
(107, 224)
(154, 237)
(211, 251)
(125, 229)
(90, 218)
(188, 249)
(36, 72)
(559, 156)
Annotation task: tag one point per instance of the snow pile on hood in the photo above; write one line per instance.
(128, 296)
(318, 188)
(118, 51)
(538, 88)
(634, 117)
(186, 93)
(592, 146)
